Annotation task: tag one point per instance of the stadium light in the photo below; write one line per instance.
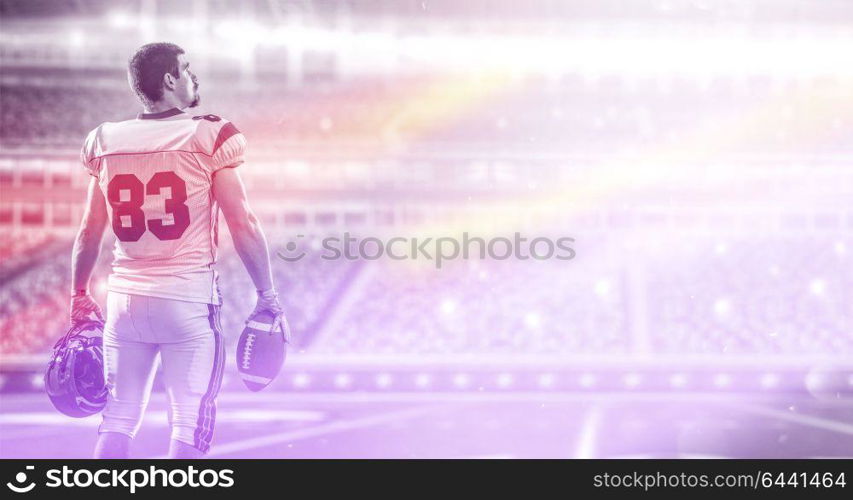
(644, 54)
(817, 287)
(505, 380)
(547, 380)
(678, 380)
(384, 380)
(76, 38)
(595, 52)
(343, 380)
(632, 380)
(722, 307)
(532, 320)
(119, 19)
(448, 306)
(769, 380)
(243, 37)
(461, 380)
(587, 380)
(722, 380)
(301, 380)
(423, 380)
(602, 287)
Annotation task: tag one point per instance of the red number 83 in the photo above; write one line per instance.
(132, 207)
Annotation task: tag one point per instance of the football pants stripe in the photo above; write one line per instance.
(219, 374)
(207, 407)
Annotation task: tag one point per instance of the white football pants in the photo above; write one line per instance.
(187, 336)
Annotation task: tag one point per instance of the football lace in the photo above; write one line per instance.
(247, 350)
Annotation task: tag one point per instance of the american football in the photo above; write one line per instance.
(260, 351)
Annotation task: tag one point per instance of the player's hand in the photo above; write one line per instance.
(268, 302)
(83, 306)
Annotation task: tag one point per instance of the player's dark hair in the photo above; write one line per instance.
(148, 65)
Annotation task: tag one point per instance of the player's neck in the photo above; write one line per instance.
(160, 106)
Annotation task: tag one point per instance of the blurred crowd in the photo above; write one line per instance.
(573, 113)
(771, 296)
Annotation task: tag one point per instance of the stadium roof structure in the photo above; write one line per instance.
(828, 11)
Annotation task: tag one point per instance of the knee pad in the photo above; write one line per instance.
(192, 423)
(123, 417)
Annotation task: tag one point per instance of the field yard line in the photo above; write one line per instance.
(226, 399)
(589, 433)
(319, 430)
(807, 420)
(160, 418)
(498, 397)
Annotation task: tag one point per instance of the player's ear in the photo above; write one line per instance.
(169, 81)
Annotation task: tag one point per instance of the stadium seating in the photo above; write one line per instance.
(576, 114)
(781, 295)
(33, 303)
(488, 307)
(775, 295)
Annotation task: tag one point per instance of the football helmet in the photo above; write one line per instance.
(74, 379)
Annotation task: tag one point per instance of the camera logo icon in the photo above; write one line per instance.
(20, 478)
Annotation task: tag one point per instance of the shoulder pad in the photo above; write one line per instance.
(210, 118)
(212, 132)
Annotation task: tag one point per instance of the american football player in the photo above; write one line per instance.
(158, 182)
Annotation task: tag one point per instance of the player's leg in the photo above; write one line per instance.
(129, 366)
(183, 451)
(193, 360)
(112, 445)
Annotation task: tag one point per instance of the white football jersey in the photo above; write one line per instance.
(156, 173)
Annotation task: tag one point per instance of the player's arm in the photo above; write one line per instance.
(249, 239)
(84, 256)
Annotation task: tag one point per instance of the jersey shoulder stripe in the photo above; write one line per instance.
(223, 143)
(210, 133)
(226, 132)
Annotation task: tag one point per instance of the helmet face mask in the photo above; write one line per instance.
(74, 379)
